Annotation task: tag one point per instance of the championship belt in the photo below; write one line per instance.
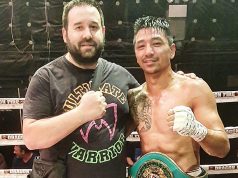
(156, 165)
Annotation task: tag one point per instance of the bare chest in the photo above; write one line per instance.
(153, 111)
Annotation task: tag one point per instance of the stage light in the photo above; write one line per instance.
(170, 1)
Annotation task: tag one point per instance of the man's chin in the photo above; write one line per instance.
(88, 55)
(88, 51)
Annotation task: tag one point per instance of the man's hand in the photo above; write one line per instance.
(182, 120)
(190, 75)
(92, 105)
(129, 161)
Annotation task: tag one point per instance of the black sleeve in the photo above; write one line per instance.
(37, 102)
(3, 164)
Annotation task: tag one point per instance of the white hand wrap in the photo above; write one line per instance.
(186, 124)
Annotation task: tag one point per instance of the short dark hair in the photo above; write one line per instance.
(74, 3)
(24, 148)
(158, 23)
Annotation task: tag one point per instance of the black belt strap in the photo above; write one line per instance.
(98, 75)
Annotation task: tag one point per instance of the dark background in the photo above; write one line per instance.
(206, 39)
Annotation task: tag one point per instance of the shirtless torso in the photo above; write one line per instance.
(150, 112)
(174, 115)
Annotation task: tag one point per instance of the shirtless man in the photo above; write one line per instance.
(174, 115)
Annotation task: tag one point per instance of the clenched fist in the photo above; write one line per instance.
(92, 105)
(182, 120)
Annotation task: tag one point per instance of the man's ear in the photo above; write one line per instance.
(64, 34)
(173, 50)
(104, 31)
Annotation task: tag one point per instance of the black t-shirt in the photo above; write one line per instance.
(18, 163)
(97, 148)
(3, 164)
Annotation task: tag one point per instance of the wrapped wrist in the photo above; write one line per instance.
(186, 124)
(200, 132)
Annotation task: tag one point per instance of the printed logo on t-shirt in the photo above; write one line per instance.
(103, 123)
(97, 156)
(74, 98)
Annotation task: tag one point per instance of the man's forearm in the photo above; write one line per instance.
(216, 143)
(44, 133)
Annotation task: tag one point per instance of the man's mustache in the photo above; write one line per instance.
(87, 42)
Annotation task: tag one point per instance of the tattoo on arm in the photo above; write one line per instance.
(140, 107)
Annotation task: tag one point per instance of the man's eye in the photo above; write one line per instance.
(140, 47)
(94, 27)
(156, 44)
(79, 27)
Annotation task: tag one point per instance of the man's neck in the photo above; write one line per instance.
(27, 157)
(158, 82)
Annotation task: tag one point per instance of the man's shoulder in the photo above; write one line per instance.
(111, 65)
(52, 65)
(185, 81)
(194, 86)
(119, 71)
(136, 91)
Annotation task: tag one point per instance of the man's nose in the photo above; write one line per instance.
(87, 33)
(149, 50)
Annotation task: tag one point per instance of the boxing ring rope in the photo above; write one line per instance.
(211, 169)
(11, 139)
(231, 168)
(226, 96)
(231, 131)
(14, 173)
(17, 139)
(11, 103)
(17, 103)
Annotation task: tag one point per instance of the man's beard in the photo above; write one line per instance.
(83, 58)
